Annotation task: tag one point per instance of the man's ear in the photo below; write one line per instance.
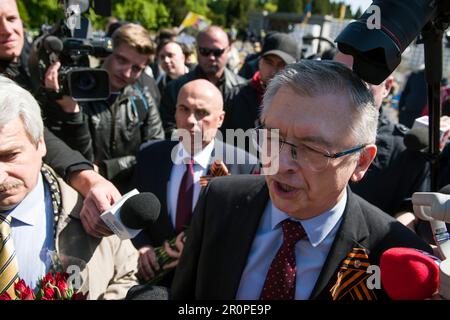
(388, 86)
(365, 159)
(221, 118)
(41, 147)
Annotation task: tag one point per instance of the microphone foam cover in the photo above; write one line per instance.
(53, 44)
(416, 139)
(408, 274)
(140, 210)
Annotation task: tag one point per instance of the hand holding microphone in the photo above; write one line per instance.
(132, 213)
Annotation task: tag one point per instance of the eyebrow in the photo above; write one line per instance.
(128, 61)
(314, 139)
(11, 149)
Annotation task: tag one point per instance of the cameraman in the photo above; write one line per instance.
(99, 193)
(113, 129)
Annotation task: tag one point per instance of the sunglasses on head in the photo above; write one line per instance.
(206, 52)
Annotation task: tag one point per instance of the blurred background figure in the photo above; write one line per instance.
(171, 59)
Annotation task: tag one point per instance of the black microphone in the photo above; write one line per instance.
(134, 212)
(140, 210)
(416, 139)
(148, 292)
(53, 44)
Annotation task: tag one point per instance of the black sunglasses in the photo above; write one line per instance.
(206, 52)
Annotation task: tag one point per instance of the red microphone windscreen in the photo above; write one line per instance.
(408, 274)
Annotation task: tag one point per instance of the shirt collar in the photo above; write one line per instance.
(202, 158)
(318, 227)
(25, 211)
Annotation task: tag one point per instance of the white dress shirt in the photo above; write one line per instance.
(310, 253)
(201, 162)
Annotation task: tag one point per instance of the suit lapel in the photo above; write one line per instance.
(243, 222)
(218, 153)
(352, 233)
(162, 177)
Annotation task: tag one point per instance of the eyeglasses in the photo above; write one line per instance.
(313, 158)
(206, 52)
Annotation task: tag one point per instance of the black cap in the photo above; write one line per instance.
(281, 45)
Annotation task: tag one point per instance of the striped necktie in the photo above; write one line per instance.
(8, 261)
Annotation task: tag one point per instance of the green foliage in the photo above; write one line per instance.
(197, 6)
(156, 14)
(150, 13)
(358, 13)
(292, 6)
(230, 13)
(34, 13)
(324, 7)
(178, 9)
(270, 7)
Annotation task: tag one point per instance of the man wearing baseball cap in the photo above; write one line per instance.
(242, 112)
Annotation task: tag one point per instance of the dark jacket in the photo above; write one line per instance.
(413, 98)
(224, 225)
(110, 132)
(244, 107)
(152, 174)
(396, 172)
(169, 97)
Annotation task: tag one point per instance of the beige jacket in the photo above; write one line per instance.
(111, 263)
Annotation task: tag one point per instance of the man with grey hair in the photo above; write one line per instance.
(99, 193)
(294, 234)
(40, 213)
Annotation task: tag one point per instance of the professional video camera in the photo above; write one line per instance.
(377, 49)
(71, 42)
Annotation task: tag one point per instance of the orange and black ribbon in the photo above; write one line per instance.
(217, 169)
(351, 283)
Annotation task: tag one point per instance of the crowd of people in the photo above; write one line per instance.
(323, 173)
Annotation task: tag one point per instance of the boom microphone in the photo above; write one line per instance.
(53, 44)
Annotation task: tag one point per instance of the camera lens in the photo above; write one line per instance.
(86, 81)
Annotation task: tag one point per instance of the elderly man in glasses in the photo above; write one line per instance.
(296, 232)
(213, 49)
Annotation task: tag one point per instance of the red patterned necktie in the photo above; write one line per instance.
(280, 280)
(185, 194)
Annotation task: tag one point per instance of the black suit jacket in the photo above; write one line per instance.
(225, 222)
(152, 174)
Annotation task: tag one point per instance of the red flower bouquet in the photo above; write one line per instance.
(50, 287)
